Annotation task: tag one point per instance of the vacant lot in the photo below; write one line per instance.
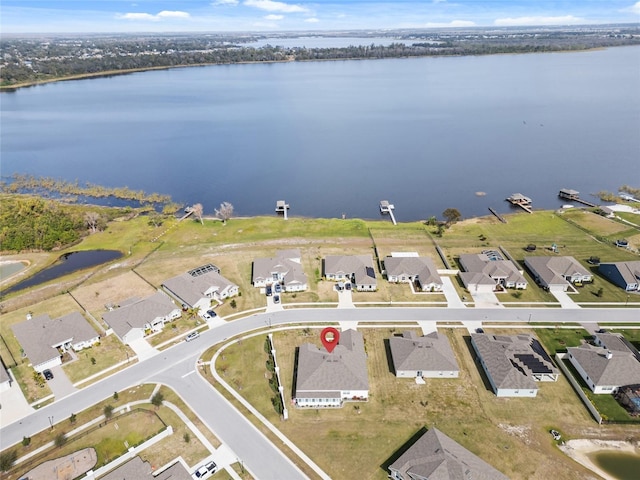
(362, 437)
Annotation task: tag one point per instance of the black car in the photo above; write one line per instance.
(211, 313)
(48, 375)
(269, 290)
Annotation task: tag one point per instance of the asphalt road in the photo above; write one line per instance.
(175, 367)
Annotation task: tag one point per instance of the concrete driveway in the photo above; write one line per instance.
(13, 405)
(453, 300)
(60, 384)
(143, 349)
(565, 300)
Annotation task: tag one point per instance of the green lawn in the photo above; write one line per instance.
(362, 437)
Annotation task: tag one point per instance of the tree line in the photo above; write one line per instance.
(30, 61)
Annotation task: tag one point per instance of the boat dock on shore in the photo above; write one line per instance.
(521, 201)
(574, 196)
(386, 207)
(282, 207)
(497, 215)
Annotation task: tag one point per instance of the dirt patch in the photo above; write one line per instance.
(580, 449)
(65, 468)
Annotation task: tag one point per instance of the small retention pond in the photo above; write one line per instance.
(67, 263)
(620, 465)
(10, 268)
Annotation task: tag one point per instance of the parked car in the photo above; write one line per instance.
(276, 299)
(278, 288)
(192, 336)
(211, 466)
(347, 286)
(201, 472)
(211, 313)
(48, 375)
(555, 434)
(479, 330)
(269, 291)
(206, 315)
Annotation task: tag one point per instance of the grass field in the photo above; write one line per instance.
(362, 437)
(133, 428)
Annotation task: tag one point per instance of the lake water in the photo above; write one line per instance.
(67, 263)
(620, 465)
(337, 137)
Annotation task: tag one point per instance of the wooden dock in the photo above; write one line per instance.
(282, 207)
(386, 207)
(574, 196)
(521, 201)
(498, 216)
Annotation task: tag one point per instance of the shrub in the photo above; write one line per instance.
(60, 440)
(7, 459)
(26, 441)
(157, 399)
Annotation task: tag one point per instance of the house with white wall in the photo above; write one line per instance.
(429, 356)
(200, 288)
(610, 364)
(285, 269)
(484, 273)
(357, 269)
(137, 317)
(326, 379)
(44, 340)
(421, 271)
(557, 273)
(513, 364)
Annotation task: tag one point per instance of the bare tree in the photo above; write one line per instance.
(225, 212)
(92, 219)
(197, 211)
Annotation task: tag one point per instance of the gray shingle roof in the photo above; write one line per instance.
(343, 369)
(286, 263)
(361, 266)
(621, 369)
(490, 269)
(191, 289)
(629, 271)
(41, 334)
(435, 456)
(552, 270)
(136, 313)
(429, 353)
(412, 266)
(498, 353)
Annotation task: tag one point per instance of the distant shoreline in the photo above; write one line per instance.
(112, 73)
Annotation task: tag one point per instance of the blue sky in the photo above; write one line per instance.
(94, 16)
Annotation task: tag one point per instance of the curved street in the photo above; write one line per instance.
(175, 367)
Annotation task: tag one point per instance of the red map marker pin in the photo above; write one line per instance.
(330, 337)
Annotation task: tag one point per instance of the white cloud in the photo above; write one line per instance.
(635, 8)
(274, 17)
(312, 20)
(173, 14)
(271, 6)
(453, 23)
(147, 17)
(225, 2)
(539, 21)
(139, 16)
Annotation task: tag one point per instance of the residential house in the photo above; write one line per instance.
(357, 269)
(429, 356)
(624, 274)
(400, 268)
(135, 318)
(486, 273)
(513, 364)
(138, 469)
(326, 379)
(44, 340)
(200, 287)
(609, 365)
(5, 377)
(435, 456)
(557, 273)
(285, 268)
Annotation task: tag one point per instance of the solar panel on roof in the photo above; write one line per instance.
(534, 364)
